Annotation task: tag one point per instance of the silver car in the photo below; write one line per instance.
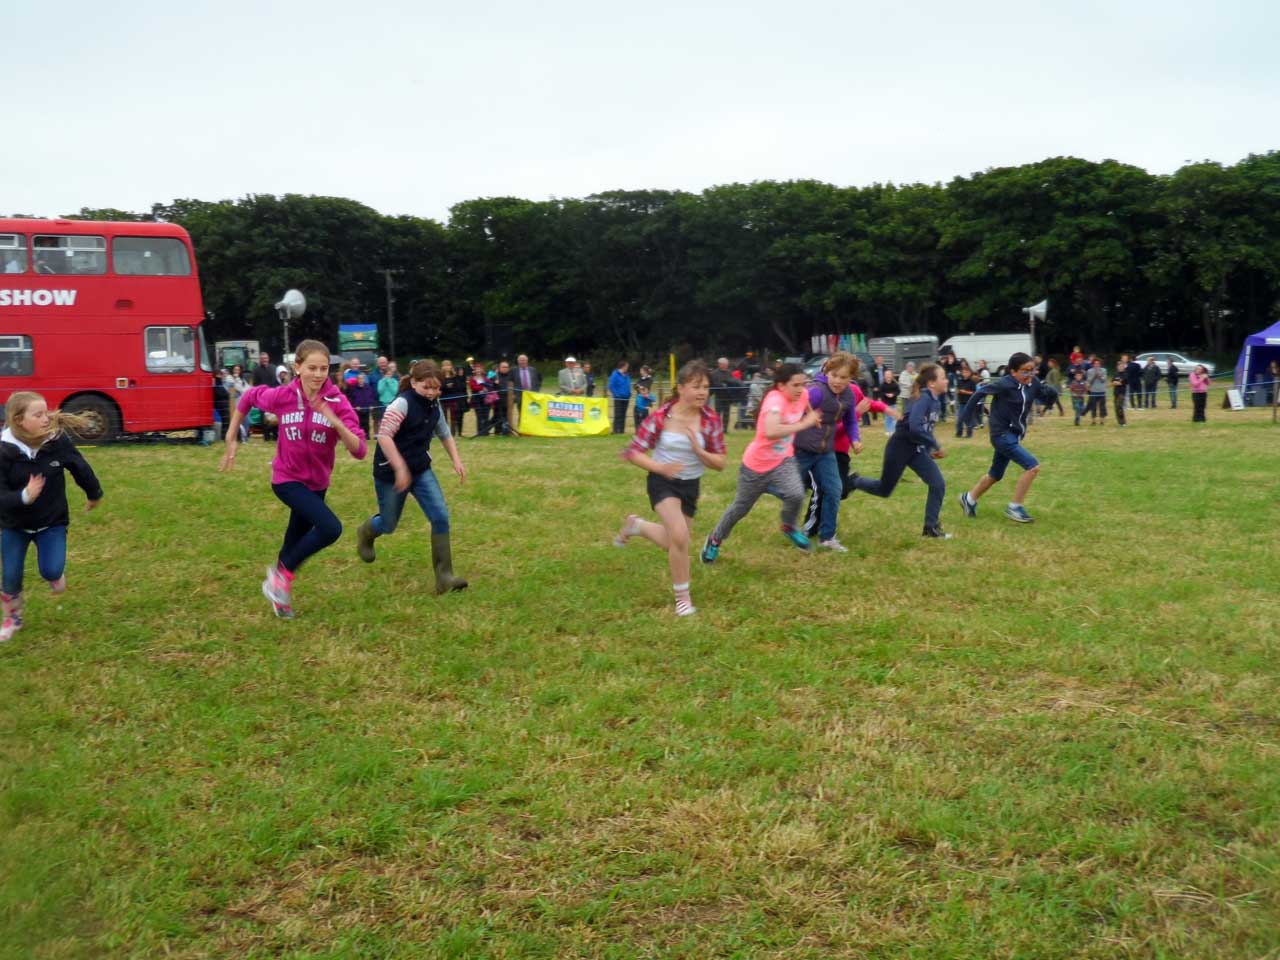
(1163, 358)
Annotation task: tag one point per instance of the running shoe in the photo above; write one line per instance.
(1017, 513)
(936, 532)
(798, 539)
(630, 528)
(276, 588)
(710, 550)
(57, 586)
(968, 505)
(850, 485)
(282, 610)
(834, 545)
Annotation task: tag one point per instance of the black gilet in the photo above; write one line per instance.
(412, 439)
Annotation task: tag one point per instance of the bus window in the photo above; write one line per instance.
(206, 361)
(15, 356)
(13, 253)
(150, 257)
(78, 255)
(170, 349)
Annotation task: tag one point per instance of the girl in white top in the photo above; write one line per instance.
(675, 444)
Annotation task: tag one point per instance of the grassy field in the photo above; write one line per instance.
(1056, 740)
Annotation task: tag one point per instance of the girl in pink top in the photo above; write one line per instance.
(1199, 380)
(314, 418)
(767, 464)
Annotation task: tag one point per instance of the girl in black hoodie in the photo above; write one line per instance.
(35, 452)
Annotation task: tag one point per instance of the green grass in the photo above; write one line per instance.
(1060, 740)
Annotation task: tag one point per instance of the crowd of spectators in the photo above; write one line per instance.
(492, 393)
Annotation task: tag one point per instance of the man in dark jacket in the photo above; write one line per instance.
(1133, 380)
(724, 388)
(264, 374)
(525, 377)
(1150, 380)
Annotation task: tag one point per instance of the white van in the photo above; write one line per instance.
(995, 348)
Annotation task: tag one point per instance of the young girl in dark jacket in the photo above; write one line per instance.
(914, 446)
(35, 453)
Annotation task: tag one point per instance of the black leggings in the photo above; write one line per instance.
(898, 456)
(1198, 403)
(312, 525)
(1097, 406)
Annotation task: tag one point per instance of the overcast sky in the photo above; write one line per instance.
(411, 107)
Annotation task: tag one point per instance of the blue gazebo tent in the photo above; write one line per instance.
(1259, 350)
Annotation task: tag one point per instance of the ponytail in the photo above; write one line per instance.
(421, 370)
(928, 373)
(59, 420)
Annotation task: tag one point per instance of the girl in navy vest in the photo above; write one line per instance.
(402, 466)
(913, 445)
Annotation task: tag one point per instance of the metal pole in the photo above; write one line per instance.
(391, 319)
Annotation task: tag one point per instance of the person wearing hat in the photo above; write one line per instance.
(572, 380)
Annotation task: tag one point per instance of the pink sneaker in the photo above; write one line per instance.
(12, 616)
(276, 587)
(57, 586)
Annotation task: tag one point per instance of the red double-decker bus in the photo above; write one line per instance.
(105, 319)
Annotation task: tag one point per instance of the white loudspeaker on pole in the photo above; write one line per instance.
(1037, 311)
(290, 307)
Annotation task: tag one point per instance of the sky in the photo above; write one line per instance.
(412, 107)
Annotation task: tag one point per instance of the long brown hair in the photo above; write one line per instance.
(925, 377)
(16, 408)
(421, 370)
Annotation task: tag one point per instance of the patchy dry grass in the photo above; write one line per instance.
(1059, 740)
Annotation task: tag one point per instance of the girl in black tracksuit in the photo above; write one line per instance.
(35, 454)
(913, 445)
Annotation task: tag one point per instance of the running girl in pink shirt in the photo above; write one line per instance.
(314, 418)
(768, 464)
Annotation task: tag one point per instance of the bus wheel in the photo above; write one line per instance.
(104, 421)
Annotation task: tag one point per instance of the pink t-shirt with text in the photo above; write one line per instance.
(763, 454)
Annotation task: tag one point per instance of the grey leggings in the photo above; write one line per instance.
(782, 481)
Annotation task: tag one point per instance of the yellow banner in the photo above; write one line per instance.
(546, 415)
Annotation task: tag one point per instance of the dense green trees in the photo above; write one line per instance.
(1127, 259)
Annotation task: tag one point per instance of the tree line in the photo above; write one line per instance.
(1128, 260)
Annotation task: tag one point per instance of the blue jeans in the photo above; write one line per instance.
(827, 474)
(425, 489)
(51, 554)
(312, 525)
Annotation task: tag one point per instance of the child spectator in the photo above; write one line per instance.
(644, 403)
(1079, 389)
(1096, 384)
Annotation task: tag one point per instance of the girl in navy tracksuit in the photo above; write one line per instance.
(35, 455)
(914, 445)
(1013, 396)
